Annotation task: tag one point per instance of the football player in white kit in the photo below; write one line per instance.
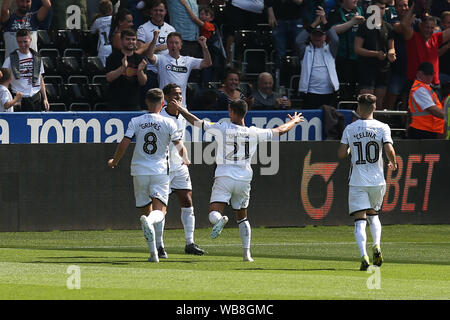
(365, 140)
(236, 146)
(149, 165)
(180, 180)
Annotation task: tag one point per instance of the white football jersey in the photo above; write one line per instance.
(102, 26)
(153, 134)
(145, 34)
(175, 159)
(366, 139)
(171, 70)
(236, 146)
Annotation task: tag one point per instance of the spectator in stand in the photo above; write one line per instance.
(285, 19)
(230, 91)
(422, 45)
(398, 84)
(22, 18)
(210, 31)
(120, 21)
(375, 47)
(189, 30)
(158, 12)
(264, 96)
(125, 72)
(318, 78)
(27, 69)
(6, 100)
(345, 21)
(427, 113)
(174, 67)
(45, 24)
(444, 52)
(102, 26)
(241, 15)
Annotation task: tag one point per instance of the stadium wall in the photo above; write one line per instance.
(69, 187)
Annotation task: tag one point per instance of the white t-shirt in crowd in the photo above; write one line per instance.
(102, 26)
(236, 146)
(153, 134)
(171, 70)
(5, 96)
(145, 34)
(256, 6)
(319, 81)
(175, 159)
(25, 83)
(366, 139)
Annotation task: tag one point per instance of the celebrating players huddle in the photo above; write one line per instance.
(160, 132)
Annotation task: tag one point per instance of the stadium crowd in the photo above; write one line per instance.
(274, 54)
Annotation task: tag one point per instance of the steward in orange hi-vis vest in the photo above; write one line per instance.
(422, 119)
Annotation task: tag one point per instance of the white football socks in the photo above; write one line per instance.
(159, 231)
(375, 229)
(245, 232)
(155, 216)
(214, 217)
(188, 220)
(360, 236)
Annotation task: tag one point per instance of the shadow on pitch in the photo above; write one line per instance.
(102, 260)
(295, 269)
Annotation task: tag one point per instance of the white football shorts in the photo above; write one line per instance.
(148, 187)
(180, 179)
(364, 198)
(231, 191)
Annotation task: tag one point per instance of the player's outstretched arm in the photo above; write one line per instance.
(343, 151)
(192, 119)
(390, 153)
(294, 120)
(182, 151)
(120, 151)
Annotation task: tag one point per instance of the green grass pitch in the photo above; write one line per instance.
(290, 264)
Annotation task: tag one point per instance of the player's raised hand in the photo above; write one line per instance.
(297, 117)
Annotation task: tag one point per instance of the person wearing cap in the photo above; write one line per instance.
(374, 44)
(427, 113)
(318, 77)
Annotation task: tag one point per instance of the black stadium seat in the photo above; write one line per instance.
(50, 66)
(78, 79)
(58, 107)
(74, 92)
(69, 66)
(54, 80)
(93, 66)
(74, 52)
(54, 93)
(80, 106)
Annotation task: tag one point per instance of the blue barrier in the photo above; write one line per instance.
(109, 127)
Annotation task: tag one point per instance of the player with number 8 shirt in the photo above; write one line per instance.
(365, 140)
(149, 165)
